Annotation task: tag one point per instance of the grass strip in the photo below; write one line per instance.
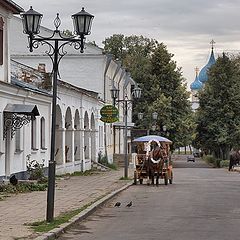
(125, 178)
(44, 226)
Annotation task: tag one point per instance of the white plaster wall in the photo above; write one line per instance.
(81, 102)
(82, 70)
(13, 95)
(4, 69)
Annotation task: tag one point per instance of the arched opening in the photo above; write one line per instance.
(86, 136)
(77, 142)
(59, 137)
(93, 138)
(68, 136)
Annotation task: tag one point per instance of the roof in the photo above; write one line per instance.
(22, 109)
(28, 86)
(196, 85)
(203, 75)
(11, 6)
(78, 89)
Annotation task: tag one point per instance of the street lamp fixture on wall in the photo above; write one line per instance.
(136, 93)
(31, 25)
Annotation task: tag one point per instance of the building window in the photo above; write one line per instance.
(33, 134)
(43, 135)
(18, 140)
(1, 40)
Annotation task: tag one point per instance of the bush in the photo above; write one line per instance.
(23, 187)
(103, 160)
(209, 159)
(35, 170)
(224, 163)
(112, 166)
(215, 162)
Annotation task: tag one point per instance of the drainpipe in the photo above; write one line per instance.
(123, 73)
(114, 128)
(108, 61)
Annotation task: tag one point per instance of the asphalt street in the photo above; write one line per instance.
(202, 204)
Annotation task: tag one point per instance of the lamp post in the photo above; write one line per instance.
(136, 93)
(31, 25)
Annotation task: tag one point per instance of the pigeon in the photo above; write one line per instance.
(129, 204)
(117, 204)
(13, 180)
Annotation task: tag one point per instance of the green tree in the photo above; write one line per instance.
(218, 120)
(164, 90)
(168, 80)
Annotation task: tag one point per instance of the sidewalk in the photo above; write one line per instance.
(71, 193)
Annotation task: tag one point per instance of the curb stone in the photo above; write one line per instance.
(56, 232)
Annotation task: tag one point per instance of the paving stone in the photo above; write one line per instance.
(71, 193)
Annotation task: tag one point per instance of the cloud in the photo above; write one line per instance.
(185, 26)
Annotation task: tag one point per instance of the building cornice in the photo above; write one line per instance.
(11, 6)
(15, 91)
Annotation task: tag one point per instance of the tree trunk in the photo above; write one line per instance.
(190, 149)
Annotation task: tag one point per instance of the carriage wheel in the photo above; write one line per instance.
(166, 178)
(135, 178)
(171, 179)
(141, 181)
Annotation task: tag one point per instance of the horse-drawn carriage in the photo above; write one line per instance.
(153, 159)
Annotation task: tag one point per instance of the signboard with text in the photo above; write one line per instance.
(109, 114)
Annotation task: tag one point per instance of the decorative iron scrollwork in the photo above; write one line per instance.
(13, 121)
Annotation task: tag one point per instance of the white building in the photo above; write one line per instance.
(83, 89)
(20, 118)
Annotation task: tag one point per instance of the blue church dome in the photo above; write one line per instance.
(203, 77)
(196, 85)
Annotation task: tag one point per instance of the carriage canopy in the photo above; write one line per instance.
(148, 138)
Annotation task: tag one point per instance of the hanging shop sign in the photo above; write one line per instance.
(109, 114)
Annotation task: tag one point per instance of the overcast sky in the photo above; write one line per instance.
(185, 26)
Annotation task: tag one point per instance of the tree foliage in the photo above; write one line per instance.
(218, 119)
(164, 90)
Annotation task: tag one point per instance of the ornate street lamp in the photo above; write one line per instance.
(154, 115)
(136, 93)
(31, 25)
(140, 116)
(31, 21)
(164, 128)
(114, 94)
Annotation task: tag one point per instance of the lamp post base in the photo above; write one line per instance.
(51, 190)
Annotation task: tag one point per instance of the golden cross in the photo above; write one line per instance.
(212, 43)
(196, 70)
